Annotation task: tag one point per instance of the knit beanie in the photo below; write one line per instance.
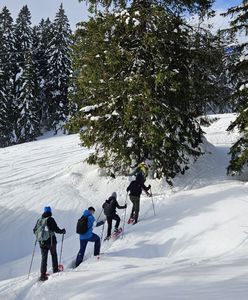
(47, 209)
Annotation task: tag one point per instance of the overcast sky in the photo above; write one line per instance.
(75, 11)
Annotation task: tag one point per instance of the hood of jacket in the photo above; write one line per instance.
(111, 198)
(87, 213)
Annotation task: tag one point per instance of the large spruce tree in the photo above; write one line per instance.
(23, 45)
(135, 86)
(239, 150)
(29, 104)
(59, 71)
(41, 56)
(7, 63)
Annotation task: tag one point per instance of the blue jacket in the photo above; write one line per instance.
(88, 234)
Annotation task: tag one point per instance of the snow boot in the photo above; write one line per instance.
(43, 277)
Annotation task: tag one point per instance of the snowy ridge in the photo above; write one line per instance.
(194, 248)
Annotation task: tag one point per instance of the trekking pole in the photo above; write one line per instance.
(153, 204)
(99, 216)
(102, 231)
(60, 266)
(32, 258)
(124, 220)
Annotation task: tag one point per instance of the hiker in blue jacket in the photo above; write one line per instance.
(88, 236)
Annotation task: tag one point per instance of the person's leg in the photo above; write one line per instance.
(80, 256)
(95, 239)
(109, 220)
(132, 212)
(136, 208)
(54, 255)
(43, 267)
(117, 219)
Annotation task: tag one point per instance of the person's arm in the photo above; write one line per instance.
(128, 188)
(100, 223)
(91, 221)
(146, 189)
(52, 225)
(35, 227)
(120, 206)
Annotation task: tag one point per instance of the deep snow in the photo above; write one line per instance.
(194, 248)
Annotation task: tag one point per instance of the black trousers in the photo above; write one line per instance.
(109, 220)
(44, 253)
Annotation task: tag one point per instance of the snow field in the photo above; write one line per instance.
(194, 248)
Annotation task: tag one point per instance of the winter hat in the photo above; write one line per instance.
(114, 195)
(47, 209)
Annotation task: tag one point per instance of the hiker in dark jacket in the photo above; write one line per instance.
(135, 189)
(88, 236)
(49, 244)
(109, 208)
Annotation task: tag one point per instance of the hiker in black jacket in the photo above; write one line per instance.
(50, 243)
(109, 208)
(135, 189)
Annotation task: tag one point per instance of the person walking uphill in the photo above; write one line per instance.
(141, 172)
(109, 208)
(88, 236)
(45, 230)
(135, 189)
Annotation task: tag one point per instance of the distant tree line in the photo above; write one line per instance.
(35, 69)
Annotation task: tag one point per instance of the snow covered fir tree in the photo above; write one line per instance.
(35, 71)
(7, 103)
(143, 78)
(239, 76)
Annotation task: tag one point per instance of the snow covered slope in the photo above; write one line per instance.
(194, 248)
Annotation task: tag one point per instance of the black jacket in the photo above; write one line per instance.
(110, 210)
(52, 226)
(135, 188)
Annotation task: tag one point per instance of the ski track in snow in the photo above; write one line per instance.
(194, 248)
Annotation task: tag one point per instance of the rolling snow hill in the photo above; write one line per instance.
(195, 248)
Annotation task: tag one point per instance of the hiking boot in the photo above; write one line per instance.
(56, 271)
(116, 230)
(107, 238)
(43, 277)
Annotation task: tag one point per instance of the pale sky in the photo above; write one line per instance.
(74, 10)
(39, 9)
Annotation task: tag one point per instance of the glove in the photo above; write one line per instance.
(148, 194)
(149, 187)
(63, 231)
(100, 223)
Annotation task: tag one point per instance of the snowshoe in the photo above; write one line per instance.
(130, 221)
(116, 234)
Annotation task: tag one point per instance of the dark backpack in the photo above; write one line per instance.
(109, 207)
(82, 225)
